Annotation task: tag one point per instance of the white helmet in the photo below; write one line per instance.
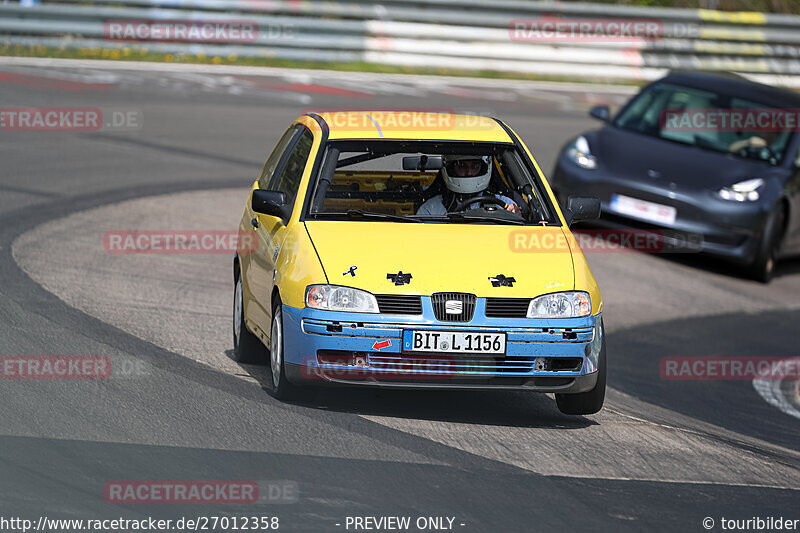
(468, 179)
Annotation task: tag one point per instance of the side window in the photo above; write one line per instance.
(275, 157)
(289, 180)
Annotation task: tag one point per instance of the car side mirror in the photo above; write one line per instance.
(271, 203)
(582, 208)
(600, 112)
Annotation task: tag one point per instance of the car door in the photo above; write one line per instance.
(271, 230)
(255, 307)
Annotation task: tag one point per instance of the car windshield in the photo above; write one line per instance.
(407, 181)
(708, 121)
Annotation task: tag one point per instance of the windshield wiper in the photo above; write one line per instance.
(476, 218)
(360, 213)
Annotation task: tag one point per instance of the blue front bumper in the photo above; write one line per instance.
(555, 355)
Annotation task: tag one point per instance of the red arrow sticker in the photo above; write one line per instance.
(378, 345)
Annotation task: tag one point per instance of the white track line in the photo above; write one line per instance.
(770, 390)
(684, 482)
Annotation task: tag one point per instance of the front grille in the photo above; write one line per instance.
(449, 365)
(344, 364)
(399, 304)
(440, 306)
(507, 307)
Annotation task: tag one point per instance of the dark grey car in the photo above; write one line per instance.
(737, 189)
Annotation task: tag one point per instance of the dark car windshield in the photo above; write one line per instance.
(392, 180)
(707, 120)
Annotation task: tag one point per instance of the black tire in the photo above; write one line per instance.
(589, 402)
(763, 267)
(282, 388)
(247, 348)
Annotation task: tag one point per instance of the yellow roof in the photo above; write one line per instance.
(410, 124)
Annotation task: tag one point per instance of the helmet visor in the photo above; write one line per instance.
(467, 168)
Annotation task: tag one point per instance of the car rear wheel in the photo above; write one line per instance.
(246, 346)
(282, 389)
(763, 267)
(589, 402)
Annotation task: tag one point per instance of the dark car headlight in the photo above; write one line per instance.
(744, 191)
(580, 154)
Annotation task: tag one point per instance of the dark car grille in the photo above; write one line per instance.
(440, 299)
(399, 304)
(507, 307)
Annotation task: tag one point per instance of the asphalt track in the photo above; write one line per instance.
(661, 456)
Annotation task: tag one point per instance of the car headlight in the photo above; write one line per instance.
(334, 298)
(572, 304)
(744, 191)
(580, 154)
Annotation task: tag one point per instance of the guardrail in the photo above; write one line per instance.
(471, 35)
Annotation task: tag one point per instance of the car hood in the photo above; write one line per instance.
(444, 257)
(630, 155)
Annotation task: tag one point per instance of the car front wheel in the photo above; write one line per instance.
(589, 402)
(763, 267)
(282, 389)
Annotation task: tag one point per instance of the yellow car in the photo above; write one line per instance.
(416, 250)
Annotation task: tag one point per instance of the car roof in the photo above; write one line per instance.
(733, 84)
(411, 124)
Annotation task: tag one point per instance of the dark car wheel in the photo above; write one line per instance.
(763, 267)
(589, 402)
(246, 346)
(282, 389)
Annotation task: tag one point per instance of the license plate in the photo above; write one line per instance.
(643, 210)
(454, 342)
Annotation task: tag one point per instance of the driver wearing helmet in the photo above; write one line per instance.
(465, 176)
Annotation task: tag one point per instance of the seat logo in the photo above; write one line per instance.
(399, 278)
(453, 307)
(502, 281)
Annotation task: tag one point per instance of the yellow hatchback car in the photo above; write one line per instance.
(416, 250)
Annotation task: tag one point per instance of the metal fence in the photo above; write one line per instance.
(471, 35)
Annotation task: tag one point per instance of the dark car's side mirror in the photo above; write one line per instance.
(582, 208)
(271, 203)
(600, 112)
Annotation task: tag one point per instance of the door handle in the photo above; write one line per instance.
(254, 222)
